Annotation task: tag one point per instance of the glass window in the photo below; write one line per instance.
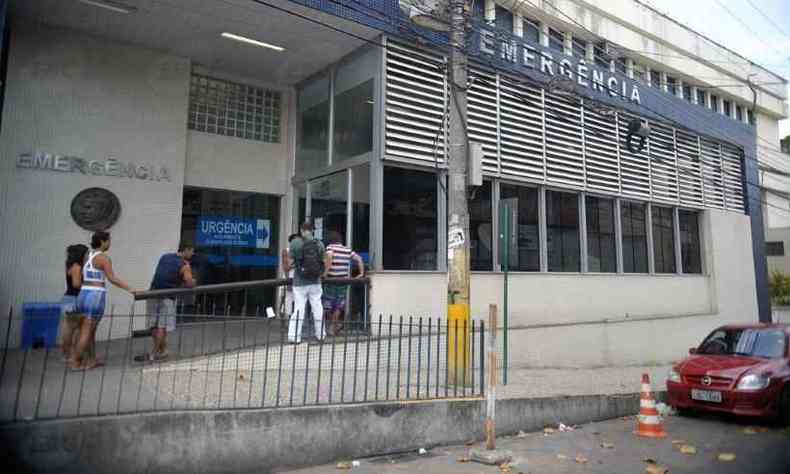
(579, 47)
(562, 220)
(232, 109)
(328, 197)
(313, 125)
(655, 79)
(634, 229)
(672, 85)
(621, 66)
(689, 241)
(479, 10)
(714, 103)
(775, 249)
(353, 129)
(750, 115)
(602, 59)
(480, 229)
(663, 239)
(525, 248)
(701, 97)
(687, 93)
(300, 193)
(250, 252)
(601, 247)
(531, 31)
(727, 105)
(504, 20)
(410, 221)
(556, 40)
(739, 113)
(766, 343)
(361, 209)
(639, 73)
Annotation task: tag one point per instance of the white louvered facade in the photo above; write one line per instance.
(535, 136)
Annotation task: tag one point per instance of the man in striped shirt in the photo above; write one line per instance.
(340, 258)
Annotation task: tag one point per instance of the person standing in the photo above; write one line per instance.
(92, 297)
(75, 256)
(172, 271)
(288, 272)
(308, 258)
(340, 258)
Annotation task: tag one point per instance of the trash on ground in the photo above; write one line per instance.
(464, 459)
(521, 434)
(606, 445)
(344, 465)
(562, 457)
(665, 410)
(688, 449)
(564, 427)
(762, 429)
(726, 457)
(548, 430)
(678, 441)
(749, 430)
(580, 459)
(505, 468)
(422, 451)
(470, 442)
(656, 469)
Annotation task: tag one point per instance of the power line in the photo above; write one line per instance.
(768, 19)
(746, 26)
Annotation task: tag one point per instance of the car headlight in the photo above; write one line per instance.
(673, 376)
(754, 382)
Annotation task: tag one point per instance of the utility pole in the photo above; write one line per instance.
(458, 258)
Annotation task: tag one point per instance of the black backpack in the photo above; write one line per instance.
(312, 263)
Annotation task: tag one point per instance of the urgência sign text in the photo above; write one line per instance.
(107, 167)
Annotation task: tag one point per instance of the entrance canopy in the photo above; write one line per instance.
(194, 29)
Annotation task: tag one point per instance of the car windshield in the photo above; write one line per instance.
(767, 343)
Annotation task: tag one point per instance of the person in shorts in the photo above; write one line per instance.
(172, 271)
(96, 272)
(340, 258)
(75, 256)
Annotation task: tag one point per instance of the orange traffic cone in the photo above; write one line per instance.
(648, 422)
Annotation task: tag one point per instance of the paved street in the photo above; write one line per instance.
(609, 448)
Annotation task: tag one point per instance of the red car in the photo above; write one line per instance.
(744, 370)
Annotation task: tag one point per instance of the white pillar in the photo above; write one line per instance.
(664, 86)
(694, 91)
(590, 53)
(490, 11)
(544, 35)
(649, 76)
(679, 90)
(629, 68)
(518, 25)
(568, 43)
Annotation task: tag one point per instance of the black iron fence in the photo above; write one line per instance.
(231, 361)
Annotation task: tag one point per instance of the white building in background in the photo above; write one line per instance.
(193, 131)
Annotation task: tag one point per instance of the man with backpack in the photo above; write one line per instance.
(308, 257)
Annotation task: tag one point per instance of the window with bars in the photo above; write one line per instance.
(233, 109)
(639, 73)
(556, 40)
(701, 97)
(775, 249)
(562, 238)
(739, 113)
(687, 92)
(634, 231)
(663, 239)
(531, 30)
(525, 247)
(601, 247)
(727, 105)
(689, 241)
(504, 19)
(621, 66)
(579, 47)
(672, 85)
(714, 102)
(655, 79)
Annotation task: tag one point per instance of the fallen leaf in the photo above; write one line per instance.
(688, 449)
(562, 457)
(470, 442)
(656, 469)
(606, 445)
(241, 377)
(505, 468)
(749, 430)
(581, 459)
(726, 457)
(344, 465)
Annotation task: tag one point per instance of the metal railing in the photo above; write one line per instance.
(229, 361)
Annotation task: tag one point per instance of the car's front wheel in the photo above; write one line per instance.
(784, 406)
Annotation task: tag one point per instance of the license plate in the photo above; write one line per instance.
(706, 396)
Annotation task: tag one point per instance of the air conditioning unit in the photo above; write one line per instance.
(431, 14)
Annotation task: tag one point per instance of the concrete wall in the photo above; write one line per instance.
(261, 440)
(73, 94)
(584, 320)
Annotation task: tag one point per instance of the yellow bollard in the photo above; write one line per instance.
(459, 341)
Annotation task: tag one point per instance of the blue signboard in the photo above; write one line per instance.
(219, 231)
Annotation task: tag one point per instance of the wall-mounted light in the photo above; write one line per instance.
(116, 7)
(244, 39)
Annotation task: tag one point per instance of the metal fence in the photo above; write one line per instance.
(238, 362)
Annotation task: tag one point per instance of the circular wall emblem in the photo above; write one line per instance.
(95, 209)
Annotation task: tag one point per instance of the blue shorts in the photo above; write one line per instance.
(91, 303)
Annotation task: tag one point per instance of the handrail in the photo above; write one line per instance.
(237, 286)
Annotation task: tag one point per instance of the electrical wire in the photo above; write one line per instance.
(768, 19)
(746, 26)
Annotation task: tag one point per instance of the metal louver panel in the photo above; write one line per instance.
(564, 150)
(601, 154)
(634, 167)
(663, 163)
(521, 130)
(731, 173)
(689, 169)
(711, 173)
(481, 112)
(415, 105)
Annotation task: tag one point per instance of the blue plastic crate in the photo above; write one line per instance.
(40, 325)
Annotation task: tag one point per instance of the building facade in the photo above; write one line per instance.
(231, 144)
